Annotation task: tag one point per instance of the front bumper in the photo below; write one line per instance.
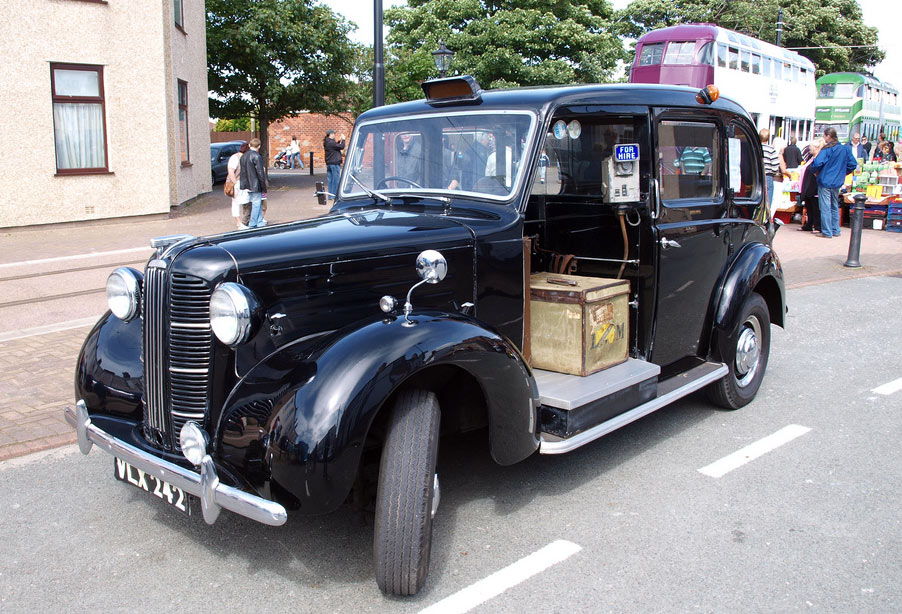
(205, 485)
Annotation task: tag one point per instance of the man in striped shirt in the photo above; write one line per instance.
(771, 165)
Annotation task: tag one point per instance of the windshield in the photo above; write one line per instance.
(475, 153)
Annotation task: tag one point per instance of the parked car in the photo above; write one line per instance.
(219, 158)
(483, 246)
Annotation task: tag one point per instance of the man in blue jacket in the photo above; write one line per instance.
(831, 165)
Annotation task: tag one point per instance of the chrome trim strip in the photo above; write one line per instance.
(189, 371)
(201, 326)
(563, 446)
(206, 486)
(188, 415)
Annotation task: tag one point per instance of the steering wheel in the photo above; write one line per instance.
(384, 183)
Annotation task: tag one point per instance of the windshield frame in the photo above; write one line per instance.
(348, 189)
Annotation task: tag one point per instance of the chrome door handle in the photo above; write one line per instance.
(668, 243)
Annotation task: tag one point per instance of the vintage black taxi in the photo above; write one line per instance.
(288, 368)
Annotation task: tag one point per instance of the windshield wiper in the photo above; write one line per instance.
(370, 192)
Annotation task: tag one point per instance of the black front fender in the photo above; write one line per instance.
(755, 269)
(298, 421)
(108, 374)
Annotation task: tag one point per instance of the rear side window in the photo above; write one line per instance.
(679, 53)
(651, 54)
(689, 160)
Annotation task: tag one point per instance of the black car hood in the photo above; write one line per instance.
(337, 238)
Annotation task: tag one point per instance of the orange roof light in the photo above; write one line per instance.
(707, 95)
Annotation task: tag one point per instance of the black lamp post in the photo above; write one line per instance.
(442, 57)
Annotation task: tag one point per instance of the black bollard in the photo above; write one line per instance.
(856, 221)
(311, 163)
(320, 193)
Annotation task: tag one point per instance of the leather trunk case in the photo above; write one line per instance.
(578, 325)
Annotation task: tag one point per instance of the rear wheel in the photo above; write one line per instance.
(745, 352)
(408, 494)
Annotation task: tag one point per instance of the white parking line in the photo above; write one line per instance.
(117, 252)
(512, 575)
(749, 453)
(890, 388)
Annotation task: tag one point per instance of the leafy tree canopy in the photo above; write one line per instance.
(509, 42)
(233, 125)
(836, 25)
(272, 58)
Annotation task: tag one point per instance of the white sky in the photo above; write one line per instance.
(877, 13)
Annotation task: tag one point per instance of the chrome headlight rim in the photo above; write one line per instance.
(124, 283)
(234, 325)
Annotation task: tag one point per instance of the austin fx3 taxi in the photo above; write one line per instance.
(544, 264)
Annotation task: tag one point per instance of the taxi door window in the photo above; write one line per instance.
(744, 175)
(689, 160)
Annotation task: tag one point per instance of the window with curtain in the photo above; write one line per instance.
(183, 121)
(79, 129)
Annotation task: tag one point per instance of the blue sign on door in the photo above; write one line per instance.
(627, 152)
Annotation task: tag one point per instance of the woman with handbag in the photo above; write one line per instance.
(240, 198)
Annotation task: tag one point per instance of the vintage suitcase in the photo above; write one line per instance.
(578, 325)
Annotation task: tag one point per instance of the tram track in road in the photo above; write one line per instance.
(92, 267)
(54, 297)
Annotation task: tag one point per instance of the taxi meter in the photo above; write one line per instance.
(621, 173)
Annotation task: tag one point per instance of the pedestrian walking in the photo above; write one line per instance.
(792, 155)
(831, 165)
(253, 179)
(333, 161)
(240, 198)
(294, 154)
(771, 166)
(808, 191)
(858, 150)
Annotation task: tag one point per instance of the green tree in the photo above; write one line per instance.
(830, 33)
(509, 43)
(273, 58)
(404, 71)
(233, 125)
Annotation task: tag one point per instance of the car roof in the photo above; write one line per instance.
(542, 99)
(223, 143)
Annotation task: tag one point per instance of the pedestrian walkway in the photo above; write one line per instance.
(37, 361)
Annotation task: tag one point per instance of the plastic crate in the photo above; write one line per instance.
(894, 223)
(894, 210)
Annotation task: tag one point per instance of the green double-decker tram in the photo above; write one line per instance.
(854, 102)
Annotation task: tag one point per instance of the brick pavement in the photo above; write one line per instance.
(37, 371)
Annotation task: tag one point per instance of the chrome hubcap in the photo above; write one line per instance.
(436, 494)
(748, 351)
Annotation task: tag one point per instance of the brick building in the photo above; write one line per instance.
(310, 129)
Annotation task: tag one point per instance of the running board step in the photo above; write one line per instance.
(669, 391)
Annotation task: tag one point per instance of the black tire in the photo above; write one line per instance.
(745, 351)
(403, 530)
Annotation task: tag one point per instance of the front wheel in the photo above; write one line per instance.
(407, 494)
(745, 351)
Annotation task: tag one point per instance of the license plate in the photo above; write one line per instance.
(173, 495)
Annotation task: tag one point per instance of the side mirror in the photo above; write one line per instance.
(431, 266)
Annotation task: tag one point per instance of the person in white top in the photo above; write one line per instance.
(241, 199)
(294, 153)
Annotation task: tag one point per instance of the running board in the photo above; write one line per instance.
(549, 444)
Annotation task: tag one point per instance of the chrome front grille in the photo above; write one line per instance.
(178, 352)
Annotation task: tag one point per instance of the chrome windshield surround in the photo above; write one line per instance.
(510, 179)
(213, 494)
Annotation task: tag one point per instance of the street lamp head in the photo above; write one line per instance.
(442, 57)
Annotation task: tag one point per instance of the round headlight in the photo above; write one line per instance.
(193, 442)
(231, 308)
(123, 293)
